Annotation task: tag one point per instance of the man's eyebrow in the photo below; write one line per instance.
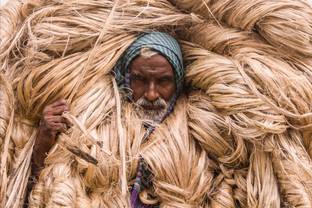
(136, 73)
(167, 75)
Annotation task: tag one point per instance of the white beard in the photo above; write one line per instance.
(151, 115)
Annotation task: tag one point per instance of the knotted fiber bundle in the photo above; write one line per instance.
(251, 118)
(262, 184)
(293, 171)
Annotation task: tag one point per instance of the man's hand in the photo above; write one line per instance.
(51, 123)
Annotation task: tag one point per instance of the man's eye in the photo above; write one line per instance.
(166, 79)
(137, 77)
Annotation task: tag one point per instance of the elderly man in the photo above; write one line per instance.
(151, 74)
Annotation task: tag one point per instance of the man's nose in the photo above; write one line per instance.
(151, 93)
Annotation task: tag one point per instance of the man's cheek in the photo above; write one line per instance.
(137, 93)
(167, 92)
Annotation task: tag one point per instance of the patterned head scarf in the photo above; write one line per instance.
(160, 42)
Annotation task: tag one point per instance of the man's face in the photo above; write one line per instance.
(153, 84)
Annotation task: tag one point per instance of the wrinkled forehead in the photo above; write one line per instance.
(153, 64)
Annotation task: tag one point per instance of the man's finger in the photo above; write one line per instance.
(54, 119)
(58, 103)
(57, 127)
(56, 110)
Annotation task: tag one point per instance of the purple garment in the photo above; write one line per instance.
(136, 202)
(142, 180)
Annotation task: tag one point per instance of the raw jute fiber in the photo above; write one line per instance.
(240, 135)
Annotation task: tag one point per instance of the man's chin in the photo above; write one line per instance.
(151, 115)
(152, 108)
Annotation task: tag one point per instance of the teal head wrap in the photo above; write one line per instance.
(160, 42)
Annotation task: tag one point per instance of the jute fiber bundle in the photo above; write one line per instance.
(240, 138)
(250, 113)
(262, 184)
(101, 179)
(182, 172)
(31, 59)
(223, 195)
(230, 184)
(295, 188)
(50, 33)
(10, 20)
(263, 76)
(65, 189)
(218, 141)
(6, 128)
(257, 96)
(33, 102)
(286, 24)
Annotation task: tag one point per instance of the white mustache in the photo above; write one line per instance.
(159, 103)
